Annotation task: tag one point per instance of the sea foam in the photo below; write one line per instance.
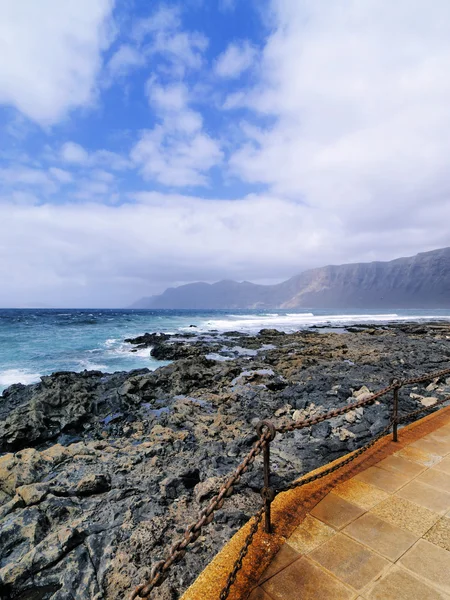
(11, 376)
(294, 321)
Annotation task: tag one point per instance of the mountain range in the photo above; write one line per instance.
(420, 281)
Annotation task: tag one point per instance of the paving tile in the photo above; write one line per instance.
(351, 562)
(259, 594)
(399, 584)
(360, 493)
(444, 465)
(428, 459)
(381, 536)
(385, 480)
(440, 436)
(430, 562)
(432, 445)
(395, 464)
(406, 515)
(306, 580)
(336, 511)
(284, 557)
(436, 478)
(309, 535)
(439, 534)
(427, 496)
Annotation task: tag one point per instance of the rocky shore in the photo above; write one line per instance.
(99, 473)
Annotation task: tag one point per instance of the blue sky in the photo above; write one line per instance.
(151, 144)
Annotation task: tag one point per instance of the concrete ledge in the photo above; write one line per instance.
(289, 509)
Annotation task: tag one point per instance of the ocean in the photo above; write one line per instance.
(35, 342)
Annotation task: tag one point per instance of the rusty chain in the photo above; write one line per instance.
(426, 377)
(405, 418)
(242, 554)
(333, 413)
(399, 383)
(304, 480)
(160, 570)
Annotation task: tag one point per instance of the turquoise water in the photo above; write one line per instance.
(39, 342)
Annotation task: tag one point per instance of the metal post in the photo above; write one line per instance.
(395, 410)
(267, 492)
(267, 499)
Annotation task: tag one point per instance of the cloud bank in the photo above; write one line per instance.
(324, 140)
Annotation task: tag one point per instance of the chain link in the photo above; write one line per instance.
(426, 377)
(160, 570)
(242, 554)
(399, 383)
(334, 413)
(178, 550)
(305, 480)
(405, 418)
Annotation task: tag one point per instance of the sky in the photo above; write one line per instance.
(150, 144)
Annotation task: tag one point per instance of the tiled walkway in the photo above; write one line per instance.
(385, 534)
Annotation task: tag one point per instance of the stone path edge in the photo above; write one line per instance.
(289, 510)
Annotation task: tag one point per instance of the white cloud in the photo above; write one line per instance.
(91, 190)
(20, 176)
(89, 254)
(352, 149)
(51, 55)
(61, 175)
(109, 160)
(237, 58)
(125, 60)
(19, 197)
(101, 175)
(74, 153)
(177, 152)
(165, 18)
(162, 34)
(357, 95)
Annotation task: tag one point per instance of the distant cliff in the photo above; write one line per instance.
(421, 281)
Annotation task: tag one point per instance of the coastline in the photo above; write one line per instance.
(36, 343)
(120, 462)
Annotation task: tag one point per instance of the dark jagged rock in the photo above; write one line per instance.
(100, 473)
(149, 339)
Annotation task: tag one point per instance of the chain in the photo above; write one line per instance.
(349, 459)
(242, 554)
(344, 409)
(334, 413)
(405, 418)
(258, 517)
(160, 570)
(427, 377)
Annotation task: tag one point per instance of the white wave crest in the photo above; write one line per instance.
(295, 321)
(11, 376)
(115, 347)
(92, 366)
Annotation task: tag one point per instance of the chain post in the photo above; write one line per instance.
(266, 430)
(396, 383)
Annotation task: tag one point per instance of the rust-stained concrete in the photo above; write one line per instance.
(290, 509)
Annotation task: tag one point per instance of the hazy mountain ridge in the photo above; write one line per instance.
(422, 280)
